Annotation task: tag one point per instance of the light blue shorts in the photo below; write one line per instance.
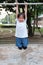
(21, 42)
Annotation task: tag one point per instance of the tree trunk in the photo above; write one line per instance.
(29, 23)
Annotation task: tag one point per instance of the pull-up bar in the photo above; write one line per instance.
(21, 3)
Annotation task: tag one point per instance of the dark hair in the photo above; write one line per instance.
(20, 15)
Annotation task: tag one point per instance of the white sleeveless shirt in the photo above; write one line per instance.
(21, 29)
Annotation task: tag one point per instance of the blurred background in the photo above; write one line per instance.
(34, 17)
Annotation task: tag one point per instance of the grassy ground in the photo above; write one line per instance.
(7, 30)
(41, 29)
(7, 36)
(11, 31)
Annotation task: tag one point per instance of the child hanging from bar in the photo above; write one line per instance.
(21, 33)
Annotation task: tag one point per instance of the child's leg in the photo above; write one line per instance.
(18, 43)
(25, 42)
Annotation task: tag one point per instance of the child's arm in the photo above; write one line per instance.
(26, 11)
(16, 10)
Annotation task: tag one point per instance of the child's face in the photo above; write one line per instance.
(21, 18)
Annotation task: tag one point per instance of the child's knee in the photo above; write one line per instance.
(25, 42)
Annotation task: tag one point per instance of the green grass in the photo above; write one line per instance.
(6, 25)
(41, 29)
(7, 29)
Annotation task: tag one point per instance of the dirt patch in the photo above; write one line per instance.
(3, 57)
(10, 63)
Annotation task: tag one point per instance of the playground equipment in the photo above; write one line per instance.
(21, 3)
(35, 21)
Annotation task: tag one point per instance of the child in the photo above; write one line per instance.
(21, 29)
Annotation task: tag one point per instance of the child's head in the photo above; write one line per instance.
(21, 17)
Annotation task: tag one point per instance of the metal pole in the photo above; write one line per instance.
(21, 3)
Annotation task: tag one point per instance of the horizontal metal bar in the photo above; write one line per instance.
(21, 3)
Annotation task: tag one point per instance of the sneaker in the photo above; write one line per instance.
(20, 48)
(24, 47)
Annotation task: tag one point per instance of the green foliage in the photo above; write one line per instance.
(11, 19)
